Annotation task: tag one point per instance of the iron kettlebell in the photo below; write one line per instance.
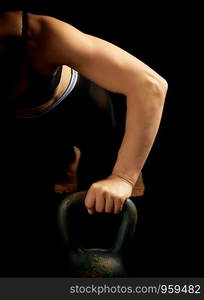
(96, 262)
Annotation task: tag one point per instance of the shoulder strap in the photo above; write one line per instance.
(24, 25)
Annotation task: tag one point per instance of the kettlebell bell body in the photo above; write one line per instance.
(96, 263)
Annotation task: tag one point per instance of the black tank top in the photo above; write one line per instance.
(41, 87)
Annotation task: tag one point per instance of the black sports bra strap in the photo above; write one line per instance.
(24, 25)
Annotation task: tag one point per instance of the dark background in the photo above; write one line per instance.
(168, 239)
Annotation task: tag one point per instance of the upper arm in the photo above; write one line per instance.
(100, 61)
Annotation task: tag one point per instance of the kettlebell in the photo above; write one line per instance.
(96, 262)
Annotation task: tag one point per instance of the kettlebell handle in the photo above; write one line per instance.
(64, 214)
(126, 228)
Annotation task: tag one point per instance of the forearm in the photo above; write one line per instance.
(144, 111)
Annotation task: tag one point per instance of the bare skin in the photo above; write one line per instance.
(64, 81)
(52, 43)
(71, 185)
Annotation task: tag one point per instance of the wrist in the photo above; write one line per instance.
(124, 178)
(131, 175)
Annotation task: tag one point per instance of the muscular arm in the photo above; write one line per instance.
(118, 71)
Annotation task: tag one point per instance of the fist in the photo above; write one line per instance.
(108, 195)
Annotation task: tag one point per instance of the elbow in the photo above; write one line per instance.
(163, 86)
(151, 88)
(156, 89)
(157, 86)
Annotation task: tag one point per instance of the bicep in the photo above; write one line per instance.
(100, 61)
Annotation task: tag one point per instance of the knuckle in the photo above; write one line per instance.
(98, 188)
(94, 186)
(101, 191)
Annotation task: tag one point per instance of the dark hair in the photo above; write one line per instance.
(7, 9)
(51, 11)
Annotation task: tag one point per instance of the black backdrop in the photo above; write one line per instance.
(168, 239)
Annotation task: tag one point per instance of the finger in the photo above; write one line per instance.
(121, 206)
(90, 201)
(117, 205)
(100, 202)
(90, 211)
(109, 204)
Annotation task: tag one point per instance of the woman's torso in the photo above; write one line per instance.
(47, 136)
(28, 81)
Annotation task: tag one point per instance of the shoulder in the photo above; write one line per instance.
(46, 33)
(37, 24)
(43, 28)
(56, 41)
